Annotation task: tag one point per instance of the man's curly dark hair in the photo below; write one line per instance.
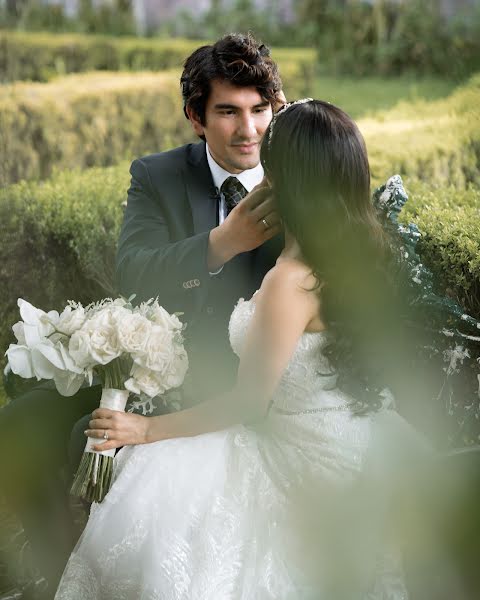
(237, 58)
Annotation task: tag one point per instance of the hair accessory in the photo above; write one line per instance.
(282, 110)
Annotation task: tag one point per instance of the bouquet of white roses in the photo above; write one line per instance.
(130, 348)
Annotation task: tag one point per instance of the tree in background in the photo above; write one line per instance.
(114, 17)
(392, 37)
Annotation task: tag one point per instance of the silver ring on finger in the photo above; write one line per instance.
(266, 223)
(105, 435)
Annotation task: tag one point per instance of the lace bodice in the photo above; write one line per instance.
(309, 381)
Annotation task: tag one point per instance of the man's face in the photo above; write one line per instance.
(235, 120)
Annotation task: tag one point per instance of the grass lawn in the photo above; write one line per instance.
(363, 97)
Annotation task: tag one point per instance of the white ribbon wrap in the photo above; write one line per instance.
(114, 400)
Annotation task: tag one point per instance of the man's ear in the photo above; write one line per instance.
(194, 120)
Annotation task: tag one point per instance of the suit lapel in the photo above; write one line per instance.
(200, 190)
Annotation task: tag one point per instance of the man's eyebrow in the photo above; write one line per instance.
(225, 105)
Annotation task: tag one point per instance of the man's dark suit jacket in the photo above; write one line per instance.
(172, 206)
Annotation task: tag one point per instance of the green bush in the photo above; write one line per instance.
(389, 37)
(449, 220)
(58, 240)
(436, 141)
(39, 56)
(97, 119)
(87, 120)
(59, 237)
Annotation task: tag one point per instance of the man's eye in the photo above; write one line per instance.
(261, 109)
(227, 112)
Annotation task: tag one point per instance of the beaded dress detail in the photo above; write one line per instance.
(251, 512)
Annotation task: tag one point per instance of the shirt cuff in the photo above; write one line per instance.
(213, 273)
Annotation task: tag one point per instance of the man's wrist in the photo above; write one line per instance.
(219, 249)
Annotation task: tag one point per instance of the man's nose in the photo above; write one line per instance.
(246, 126)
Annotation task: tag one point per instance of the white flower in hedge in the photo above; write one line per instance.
(71, 319)
(133, 333)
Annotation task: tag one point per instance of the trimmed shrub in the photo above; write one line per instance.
(435, 141)
(449, 220)
(97, 119)
(87, 120)
(40, 56)
(58, 240)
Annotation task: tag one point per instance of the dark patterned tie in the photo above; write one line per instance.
(233, 191)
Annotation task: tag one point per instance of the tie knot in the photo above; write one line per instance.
(233, 191)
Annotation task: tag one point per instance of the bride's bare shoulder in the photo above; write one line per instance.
(290, 274)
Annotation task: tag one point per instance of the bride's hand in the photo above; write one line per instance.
(116, 429)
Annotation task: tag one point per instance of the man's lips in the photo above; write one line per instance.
(246, 147)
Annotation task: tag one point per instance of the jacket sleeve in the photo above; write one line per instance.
(149, 263)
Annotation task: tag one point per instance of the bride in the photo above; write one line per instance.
(282, 488)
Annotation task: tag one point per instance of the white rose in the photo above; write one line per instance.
(104, 346)
(177, 370)
(79, 349)
(144, 381)
(133, 333)
(158, 351)
(71, 319)
(163, 318)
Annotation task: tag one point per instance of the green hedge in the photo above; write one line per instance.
(436, 141)
(87, 120)
(58, 239)
(449, 220)
(40, 56)
(96, 119)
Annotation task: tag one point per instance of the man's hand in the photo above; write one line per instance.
(117, 429)
(251, 223)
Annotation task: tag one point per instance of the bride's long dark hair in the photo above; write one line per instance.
(316, 160)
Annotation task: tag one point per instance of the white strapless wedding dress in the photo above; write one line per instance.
(295, 508)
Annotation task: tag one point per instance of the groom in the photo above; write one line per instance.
(185, 239)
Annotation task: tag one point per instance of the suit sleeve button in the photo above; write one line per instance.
(209, 310)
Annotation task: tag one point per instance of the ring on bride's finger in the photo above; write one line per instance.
(266, 223)
(105, 435)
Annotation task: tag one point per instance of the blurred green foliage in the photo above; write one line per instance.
(85, 120)
(61, 232)
(351, 37)
(391, 37)
(365, 96)
(449, 220)
(437, 141)
(41, 56)
(100, 118)
(115, 17)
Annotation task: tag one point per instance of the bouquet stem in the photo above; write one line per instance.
(94, 474)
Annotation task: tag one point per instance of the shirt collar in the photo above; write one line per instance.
(249, 178)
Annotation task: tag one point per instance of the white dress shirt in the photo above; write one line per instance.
(249, 179)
